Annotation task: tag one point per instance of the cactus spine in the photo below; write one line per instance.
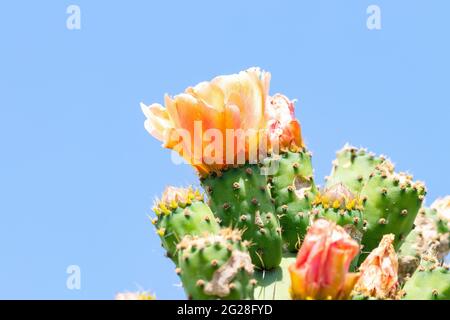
(216, 266)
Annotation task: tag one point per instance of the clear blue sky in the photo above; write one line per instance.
(78, 173)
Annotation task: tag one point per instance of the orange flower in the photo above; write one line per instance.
(321, 268)
(379, 272)
(223, 122)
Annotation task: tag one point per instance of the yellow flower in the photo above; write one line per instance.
(224, 122)
(321, 269)
(379, 272)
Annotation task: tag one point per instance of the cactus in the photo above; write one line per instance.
(429, 235)
(216, 266)
(262, 209)
(181, 211)
(431, 281)
(293, 190)
(240, 198)
(353, 167)
(391, 203)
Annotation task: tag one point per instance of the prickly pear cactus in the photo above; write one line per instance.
(216, 266)
(275, 208)
(353, 167)
(240, 197)
(293, 190)
(391, 203)
(431, 281)
(180, 212)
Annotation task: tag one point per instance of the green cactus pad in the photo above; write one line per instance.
(240, 197)
(216, 267)
(293, 189)
(353, 166)
(391, 203)
(431, 281)
(173, 224)
(275, 284)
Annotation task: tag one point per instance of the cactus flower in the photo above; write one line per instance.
(379, 272)
(321, 268)
(283, 129)
(229, 120)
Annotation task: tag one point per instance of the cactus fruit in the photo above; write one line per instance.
(353, 167)
(431, 281)
(293, 189)
(391, 203)
(240, 197)
(379, 273)
(321, 268)
(216, 266)
(181, 211)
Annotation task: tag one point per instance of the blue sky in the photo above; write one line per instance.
(78, 173)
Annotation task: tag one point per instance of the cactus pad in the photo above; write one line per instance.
(216, 266)
(431, 281)
(391, 203)
(353, 166)
(182, 212)
(240, 197)
(293, 189)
